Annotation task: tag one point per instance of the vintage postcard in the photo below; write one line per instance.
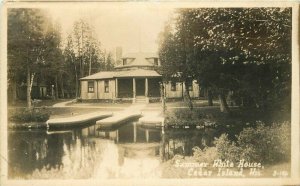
(150, 93)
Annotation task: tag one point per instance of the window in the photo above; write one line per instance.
(124, 61)
(156, 61)
(91, 86)
(190, 84)
(106, 86)
(173, 86)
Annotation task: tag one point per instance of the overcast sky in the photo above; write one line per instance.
(134, 28)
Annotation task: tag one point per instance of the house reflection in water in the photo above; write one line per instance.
(128, 133)
(129, 151)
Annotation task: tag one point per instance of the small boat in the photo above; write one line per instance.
(77, 121)
(117, 120)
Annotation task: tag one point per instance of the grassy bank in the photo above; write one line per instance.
(261, 136)
(231, 123)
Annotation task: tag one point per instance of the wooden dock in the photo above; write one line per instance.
(77, 121)
(151, 120)
(117, 119)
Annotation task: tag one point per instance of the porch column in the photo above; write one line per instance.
(146, 87)
(116, 91)
(134, 132)
(147, 135)
(117, 136)
(97, 94)
(133, 87)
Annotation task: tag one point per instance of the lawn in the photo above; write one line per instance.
(48, 102)
(59, 112)
(99, 105)
(171, 104)
(179, 104)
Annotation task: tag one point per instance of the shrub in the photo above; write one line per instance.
(268, 144)
(30, 115)
(208, 154)
(188, 117)
(226, 149)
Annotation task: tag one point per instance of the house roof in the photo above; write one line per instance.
(100, 75)
(122, 74)
(140, 54)
(138, 59)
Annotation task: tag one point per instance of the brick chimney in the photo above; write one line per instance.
(118, 55)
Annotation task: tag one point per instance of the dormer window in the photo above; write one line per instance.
(124, 62)
(156, 61)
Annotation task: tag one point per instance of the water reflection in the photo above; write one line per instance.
(129, 151)
(181, 142)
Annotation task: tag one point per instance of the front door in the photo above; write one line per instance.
(140, 87)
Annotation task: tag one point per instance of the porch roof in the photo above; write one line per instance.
(138, 73)
(122, 74)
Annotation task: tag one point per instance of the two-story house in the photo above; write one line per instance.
(135, 79)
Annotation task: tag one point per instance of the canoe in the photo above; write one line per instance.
(77, 121)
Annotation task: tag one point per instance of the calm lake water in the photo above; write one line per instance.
(129, 151)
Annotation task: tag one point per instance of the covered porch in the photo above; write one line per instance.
(138, 84)
(138, 87)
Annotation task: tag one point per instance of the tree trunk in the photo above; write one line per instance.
(82, 67)
(62, 87)
(163, 148)
(163, 98)
(56, 88)
(210, 98)
(76, 83)
(182, 95)
(14, 91)
(28, 92)
(187, 96)
(76, 87)
(223, 104)
(76, 77)
(90, 65)
(39, 88)
(81, 54)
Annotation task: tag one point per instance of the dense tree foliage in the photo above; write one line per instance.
(37, 53)
(245, 51)
(54, 72)
(27, 36)
(84, 55)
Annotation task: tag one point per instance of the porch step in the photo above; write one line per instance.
(141, 99)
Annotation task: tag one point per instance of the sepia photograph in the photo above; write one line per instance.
(111, 91)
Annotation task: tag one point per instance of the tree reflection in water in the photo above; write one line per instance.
(129, 151)
(181, 142)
